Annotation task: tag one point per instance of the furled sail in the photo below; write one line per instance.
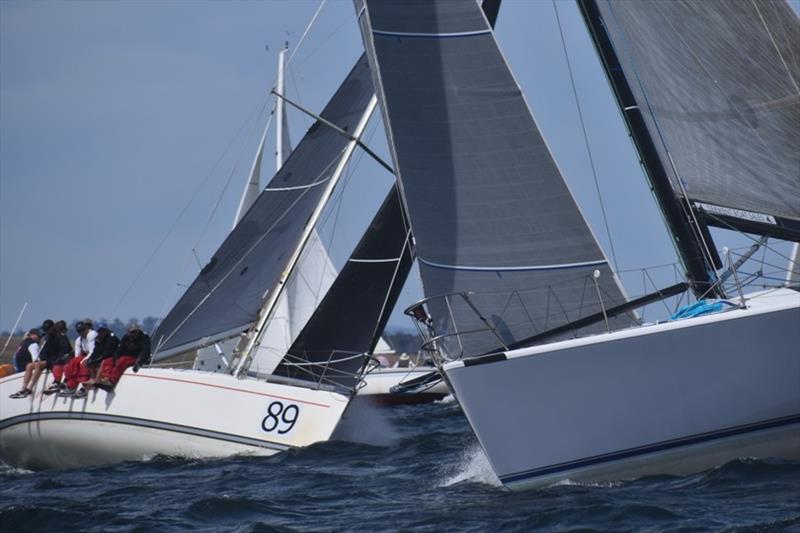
(718, 83)
(489, 209)
(348, 323)
(227, 295)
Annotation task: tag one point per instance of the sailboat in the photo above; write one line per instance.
(264, 408)
(546, 353)
(312, 278)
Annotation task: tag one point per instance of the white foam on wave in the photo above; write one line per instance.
(8, 469)
(447, 399)
(366, 423)
(473, 467)
(592, 484)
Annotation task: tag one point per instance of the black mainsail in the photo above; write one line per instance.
(717, 86)
(490, 211)
(228, 294)
(335, 342)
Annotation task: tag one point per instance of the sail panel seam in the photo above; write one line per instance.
(387, 260)
(425, 35)
(559, 266)
(298, 187)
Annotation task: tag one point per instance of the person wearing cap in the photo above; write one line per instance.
(27, 351)
(62, 356)
(105, 347)
(76, 371)
(46, 357)
(133, 351)
(404, 361)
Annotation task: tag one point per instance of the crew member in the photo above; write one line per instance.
(105, 347)
(76, 371)
(27, 351)
(133, 351)
(62, 357)
(48, 353)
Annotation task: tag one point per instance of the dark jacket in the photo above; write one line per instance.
(50, 349)
(104, 347)
(135, 344)
(23, 355)
(63, 349)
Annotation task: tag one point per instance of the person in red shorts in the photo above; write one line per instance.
(64, 352)
(76, 371)
(133, 351)
(105, 350)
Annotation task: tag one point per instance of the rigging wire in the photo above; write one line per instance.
(775, 45)
(230, 176)
(299, 98)
(186, 207)
(347, 19)
(213, 169)
(586, 138)
(305, 33)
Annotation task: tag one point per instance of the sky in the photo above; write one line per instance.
(127, 130)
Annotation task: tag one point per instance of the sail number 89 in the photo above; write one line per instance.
(280, 417)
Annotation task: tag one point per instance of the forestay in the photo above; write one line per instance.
(489, 209)
(228, 293)
(718, 85)
(335, 343)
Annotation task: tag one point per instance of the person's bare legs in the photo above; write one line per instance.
(36, 373)
(32, 373)
(28, 371)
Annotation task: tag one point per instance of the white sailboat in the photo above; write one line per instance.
(542, 347)
(193, 413)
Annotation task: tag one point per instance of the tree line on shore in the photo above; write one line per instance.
(117, 325)
(400, 340)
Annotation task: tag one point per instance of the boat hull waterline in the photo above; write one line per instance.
(672, 398)
(168, 412)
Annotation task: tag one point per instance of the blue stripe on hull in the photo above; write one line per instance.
(651, 448)
(140, 422)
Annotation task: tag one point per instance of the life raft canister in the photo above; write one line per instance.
(6, 370)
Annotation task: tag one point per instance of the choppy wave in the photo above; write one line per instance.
(403, 468)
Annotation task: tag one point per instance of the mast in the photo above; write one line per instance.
(282, 141)
(690, 236)
(254, 335)
(283, 145)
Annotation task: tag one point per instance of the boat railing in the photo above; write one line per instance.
(459, 316)
(324, 373)
(435, 343)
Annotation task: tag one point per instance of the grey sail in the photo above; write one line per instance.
(337, 340)
(717, 83)
(227, 295)
(490, 211)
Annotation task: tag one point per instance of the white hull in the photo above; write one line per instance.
(672, 398)
(378, 386)
(162, 412)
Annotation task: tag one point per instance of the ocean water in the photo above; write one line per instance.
(401, 468)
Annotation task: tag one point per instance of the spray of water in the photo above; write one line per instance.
(365, 423)
(473, 467)
(8, 469)
(447, 399)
